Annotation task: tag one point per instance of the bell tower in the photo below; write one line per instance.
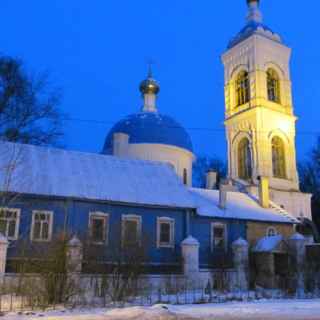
(259, 116)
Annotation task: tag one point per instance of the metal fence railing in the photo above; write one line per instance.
(19, 293)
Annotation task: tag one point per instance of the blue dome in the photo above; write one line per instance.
(149, 127)
(251, 28)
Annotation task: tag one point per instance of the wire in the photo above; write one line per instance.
(108, 122)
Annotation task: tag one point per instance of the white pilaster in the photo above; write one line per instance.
(3, 254)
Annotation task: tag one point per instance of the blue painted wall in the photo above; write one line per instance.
(59, 207)
(73, 216)
(80, 217)
(201, 230)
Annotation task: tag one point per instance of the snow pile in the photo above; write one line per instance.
(157, 312)
(191, 241)
(262, 310)
(240, 243)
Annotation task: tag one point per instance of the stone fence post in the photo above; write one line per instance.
(190, 253)
(3, 254)
(297, 248)
(74, 256)
(240, 250)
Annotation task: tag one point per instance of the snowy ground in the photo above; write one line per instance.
(262, 310)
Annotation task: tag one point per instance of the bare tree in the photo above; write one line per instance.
(47, 265)
(202, 165)
(29, 110)
(309, 172)
(119, 265)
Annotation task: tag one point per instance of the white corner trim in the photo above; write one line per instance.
(171, 221)
(34, 212)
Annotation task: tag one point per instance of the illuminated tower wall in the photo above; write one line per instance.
(259, 116)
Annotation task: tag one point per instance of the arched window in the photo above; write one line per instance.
(271, 232)
(273, 86)
(185, 176)
(244, 160)
(278, 158)
(242, 88)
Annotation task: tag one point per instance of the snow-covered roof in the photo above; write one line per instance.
(297, 236)
(239, 206)
(57, 172)
(47, 171)
(268, 244)
(252, 28)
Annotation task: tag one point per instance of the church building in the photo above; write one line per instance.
(139, 188)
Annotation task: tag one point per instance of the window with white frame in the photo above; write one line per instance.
(99, 227)
(9, 222)
(218, 236)
(131, 230)
(271, 232)
(165, 232)
(41, 229)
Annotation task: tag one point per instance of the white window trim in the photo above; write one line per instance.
(131, 217)
(104, 215)
(16, 232)
(220, 224)
(271, 228)
(34, 212)
(172, 232)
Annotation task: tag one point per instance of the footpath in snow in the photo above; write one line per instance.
(262, 310)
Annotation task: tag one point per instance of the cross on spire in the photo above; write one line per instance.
(254, 14)
(150, 64)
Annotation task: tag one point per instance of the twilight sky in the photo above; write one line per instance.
(97, 50)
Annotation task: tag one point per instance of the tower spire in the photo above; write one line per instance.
(254, 13)
(149, 89)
